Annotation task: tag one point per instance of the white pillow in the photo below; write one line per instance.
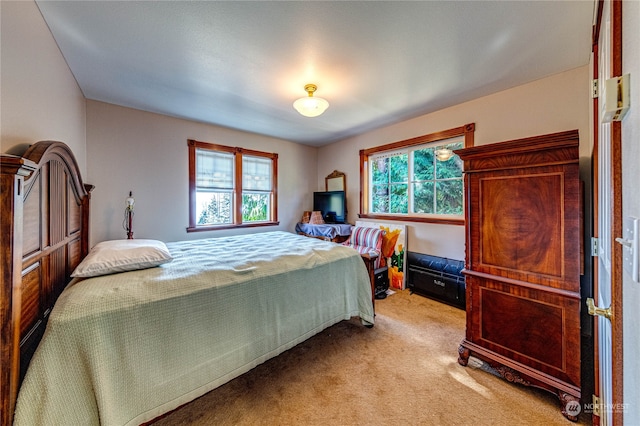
(110, 257)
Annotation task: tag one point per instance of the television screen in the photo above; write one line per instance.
(331, 204)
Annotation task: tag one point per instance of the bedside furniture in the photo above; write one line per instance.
(369, 261)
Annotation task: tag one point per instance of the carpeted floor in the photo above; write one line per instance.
(403, 371)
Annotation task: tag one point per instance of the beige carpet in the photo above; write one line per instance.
(404, 371)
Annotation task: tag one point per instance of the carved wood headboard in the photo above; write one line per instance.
(44, 235)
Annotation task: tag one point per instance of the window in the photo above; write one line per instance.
(231, 187)
(408, 181)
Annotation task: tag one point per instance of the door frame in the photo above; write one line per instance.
(616, 214)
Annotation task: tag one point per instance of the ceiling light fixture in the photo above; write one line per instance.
(443, 154)
(311, 106)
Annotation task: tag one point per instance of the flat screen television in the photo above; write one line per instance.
(332, 204)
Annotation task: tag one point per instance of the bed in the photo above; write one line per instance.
(125, 348)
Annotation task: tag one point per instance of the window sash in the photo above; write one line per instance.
(401, 190)
(214, 169)
(256, 213)
(214, 208)
(256, 173)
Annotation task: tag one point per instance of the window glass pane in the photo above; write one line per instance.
(451, 168)
(409, 180)
(423, 197)
(380, 170)
(213, 208)
(255, 207)
(436, 186)
(256, 173)
(423, 164)
(214, 169)
(398, 199)
(398, 168)
(449, 197)
(380, 199)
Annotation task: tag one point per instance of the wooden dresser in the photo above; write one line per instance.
(523, 262)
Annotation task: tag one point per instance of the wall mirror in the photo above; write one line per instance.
(336, 181)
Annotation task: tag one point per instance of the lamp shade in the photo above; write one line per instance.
(316, 218)
(310, 106)
(130, 201)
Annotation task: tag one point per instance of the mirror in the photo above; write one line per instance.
(336, 181)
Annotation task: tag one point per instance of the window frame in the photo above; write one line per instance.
(237, 191)
(467, 132)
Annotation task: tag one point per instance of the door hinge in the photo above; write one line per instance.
(594, 246)
(596, 405)
(594, 88)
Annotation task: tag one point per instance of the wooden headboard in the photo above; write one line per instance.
(45, 235)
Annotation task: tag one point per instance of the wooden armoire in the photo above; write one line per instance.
(523, 262)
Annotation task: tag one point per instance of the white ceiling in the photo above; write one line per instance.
(241, 64)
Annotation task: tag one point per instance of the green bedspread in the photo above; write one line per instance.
(125, 348)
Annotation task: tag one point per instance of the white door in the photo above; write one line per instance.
(607, 209)
(604, 232)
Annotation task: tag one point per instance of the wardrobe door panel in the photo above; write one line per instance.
(524, 233)
(533, 327)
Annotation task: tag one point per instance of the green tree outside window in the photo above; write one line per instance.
(414, 181)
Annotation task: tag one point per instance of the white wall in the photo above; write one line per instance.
(631, 207)
(132, 150)
(40, 97)
(553, 104)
